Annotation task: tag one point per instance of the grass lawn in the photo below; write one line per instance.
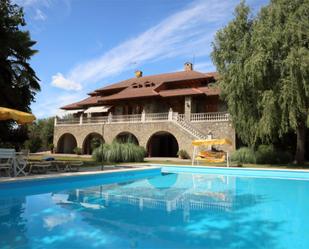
(88, 161)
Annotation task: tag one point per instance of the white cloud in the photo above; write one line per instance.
(185, 33)
(48, 102)
(39, 15)
(59, 81)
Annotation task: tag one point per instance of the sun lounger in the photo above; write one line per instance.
(40, 166)
(74, 165)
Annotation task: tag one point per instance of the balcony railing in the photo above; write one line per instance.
(209, 117)
(144, 118)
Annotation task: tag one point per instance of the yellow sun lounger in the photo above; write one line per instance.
(209, 156)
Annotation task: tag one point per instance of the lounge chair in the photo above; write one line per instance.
(211, 157)
(74, 165)
(40, 166)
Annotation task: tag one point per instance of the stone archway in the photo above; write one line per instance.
(162, 144)
(66, 144)
(92, 141)
(127, 137)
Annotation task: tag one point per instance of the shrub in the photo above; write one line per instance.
(95, 143)
(119, 152)
(33, 144)
(77, 151)
(243, 155)
(265, 154)
(183, 154)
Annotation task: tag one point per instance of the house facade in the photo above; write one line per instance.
(162, 113)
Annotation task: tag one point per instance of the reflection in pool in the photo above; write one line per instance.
(166, 211)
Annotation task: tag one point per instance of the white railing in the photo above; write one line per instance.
(209, 117)
(94, 120)
(145, 117)
(133, 118)
(156, 116)
(67, 121)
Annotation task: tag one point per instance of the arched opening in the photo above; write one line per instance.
(92, 141)
(126, 137)
(162, 144)
(66, 144)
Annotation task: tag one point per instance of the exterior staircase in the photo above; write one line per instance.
(185, 125)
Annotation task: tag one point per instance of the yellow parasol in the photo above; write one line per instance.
(18, 116)
(209, 142)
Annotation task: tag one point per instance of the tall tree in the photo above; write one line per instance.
(264, 66)
(18, 81)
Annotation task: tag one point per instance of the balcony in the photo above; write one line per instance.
(144, 118)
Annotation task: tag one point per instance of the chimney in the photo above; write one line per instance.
(138, 73)
(188, 66)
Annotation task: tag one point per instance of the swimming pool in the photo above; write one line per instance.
(169, 207)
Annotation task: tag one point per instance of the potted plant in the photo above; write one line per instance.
(77, 151)
(51, 147)
(182, 154)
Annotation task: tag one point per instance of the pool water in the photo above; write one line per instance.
(183, 210)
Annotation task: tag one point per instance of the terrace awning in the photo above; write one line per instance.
(74, 111)
(96, 109)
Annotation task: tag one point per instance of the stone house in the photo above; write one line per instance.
(162, 113)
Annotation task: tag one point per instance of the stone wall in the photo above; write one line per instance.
(144, 131)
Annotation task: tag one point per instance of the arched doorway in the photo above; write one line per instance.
(126, 137)
(162, 144)
(92, 141)
(66, 144)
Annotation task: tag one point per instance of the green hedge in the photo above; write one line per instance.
(119, 152)
(265, 154)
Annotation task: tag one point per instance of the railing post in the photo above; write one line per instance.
(143, 118)
(170, 115)
(110, 118)
(81, 119)
(55, 121)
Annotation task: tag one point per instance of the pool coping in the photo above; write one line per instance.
(145, 166)
(71, 174)
(224, 167)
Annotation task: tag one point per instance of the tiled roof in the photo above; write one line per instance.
(180, 92)
(148, 86)
(157, 79)
(77, 105)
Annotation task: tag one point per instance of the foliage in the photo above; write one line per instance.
(33, 144)
(183, 154)
(265, 154)
(77, 151)
(43, 129)
(95, 143)
(263, 64)
(119, 152)
(18, 81)
(243, 155)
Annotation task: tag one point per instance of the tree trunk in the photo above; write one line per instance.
(300, 146)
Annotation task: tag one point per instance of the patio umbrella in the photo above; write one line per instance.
(18, 116)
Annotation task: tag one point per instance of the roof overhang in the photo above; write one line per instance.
(74, 111)
(97, 109)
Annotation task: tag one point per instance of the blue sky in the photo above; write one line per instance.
(84, 45)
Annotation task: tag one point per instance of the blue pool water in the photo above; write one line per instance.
(147, 209)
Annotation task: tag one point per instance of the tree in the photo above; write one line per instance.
(40, 135)
(263, 63)
(18, 81)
